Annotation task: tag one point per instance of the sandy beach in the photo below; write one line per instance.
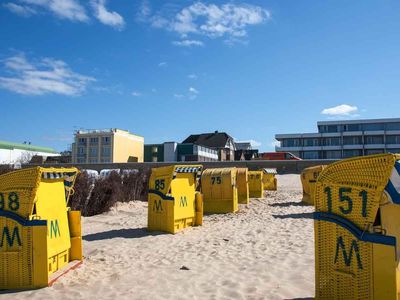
(266, 251)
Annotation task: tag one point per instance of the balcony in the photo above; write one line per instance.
(374, 146)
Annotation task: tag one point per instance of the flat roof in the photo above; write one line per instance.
(101, 131)
(363, 121)
(27, 147)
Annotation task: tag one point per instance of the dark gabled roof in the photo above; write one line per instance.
(213, 140)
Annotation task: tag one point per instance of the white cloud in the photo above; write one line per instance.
(193, 90)
(65, 9)
(136, 94)
(253, 143)
(192, 93)
(275, 143)
(106, 17)
(192, 76)
(21, 10)
(340, 110)
(178, 95)
(188, 43)
(47, 76)
(144, 11)
(162, 64)
(212, 20)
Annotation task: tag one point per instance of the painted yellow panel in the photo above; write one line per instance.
(172, 198)
(256, 188)
(309, 178)
(356, 230)
(219, 190)
(270, 183)
(34, 227)
(242, 185)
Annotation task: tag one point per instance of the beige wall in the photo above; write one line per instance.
(126, 145)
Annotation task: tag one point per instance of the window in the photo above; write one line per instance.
(93, 152)
(373, 127)
(105, 140)
(154, 159)
(291, 143)
(374, 139)
(94, 140)
(81, 150)
(310, 142)
(105, 160)
(393, 126)
(92, 160)
(333, 154)
(154, 149)
(81, 160)
(374, 151)
(106, 151)
(352, 140)
(82, 141)
(351, 153)
(352, 127)
(310, 155)
(394, 150)
(334, 141)
(332, 128)
(392, 139)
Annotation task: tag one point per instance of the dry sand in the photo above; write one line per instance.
(266, 251)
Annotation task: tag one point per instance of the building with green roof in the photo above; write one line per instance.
(16, 152)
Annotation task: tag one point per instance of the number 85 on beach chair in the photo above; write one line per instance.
(173, 203)
(357, 229)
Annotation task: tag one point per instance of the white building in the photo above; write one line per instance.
(344, 139)
(11, 153)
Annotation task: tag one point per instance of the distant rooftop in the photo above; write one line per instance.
(105, 130)
(214, 140)
(363, 121)
(27, 147)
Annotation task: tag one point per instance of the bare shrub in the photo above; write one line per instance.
(97, 196)
(134, 185)
(5, 169)
(106, 192)
(83, 186)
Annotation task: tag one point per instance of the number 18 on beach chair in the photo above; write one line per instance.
(357, 229)
(40, 237)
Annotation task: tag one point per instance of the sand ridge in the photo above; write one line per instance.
(265, 251)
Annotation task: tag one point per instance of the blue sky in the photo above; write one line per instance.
(166, 69)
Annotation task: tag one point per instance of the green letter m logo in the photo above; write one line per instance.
(54, 229)
(157, 205)
(183, 201)
(10, 239)
(348, 256)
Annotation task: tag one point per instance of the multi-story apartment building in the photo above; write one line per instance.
(107, 146)
(343, 139)
(172, 151)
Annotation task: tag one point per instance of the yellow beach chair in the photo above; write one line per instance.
(357, 229)
(40, 237)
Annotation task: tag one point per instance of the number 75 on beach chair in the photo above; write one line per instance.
(357, 229)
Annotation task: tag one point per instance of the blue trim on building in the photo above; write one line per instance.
(359, 234)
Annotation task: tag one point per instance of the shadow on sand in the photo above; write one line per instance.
(286, 204)
(131, 233)
(295, 216)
